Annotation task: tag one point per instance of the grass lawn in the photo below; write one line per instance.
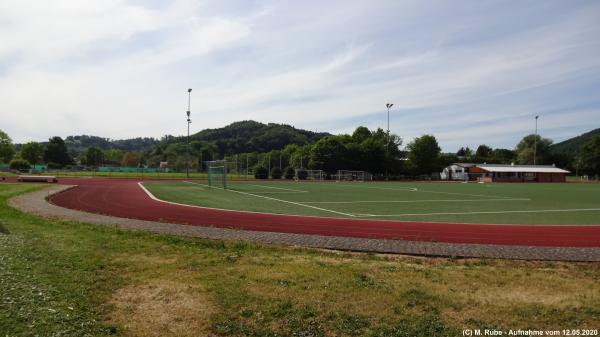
(61, 278)
(553, 204)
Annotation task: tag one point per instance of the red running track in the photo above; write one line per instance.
(124, 198)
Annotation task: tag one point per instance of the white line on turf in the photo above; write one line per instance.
(414, 189)
(380, 188)
(486, 212)
(276, 192)
(278, 188)
(466, 194)
(153, 197)
(275, 199)
(411, 201)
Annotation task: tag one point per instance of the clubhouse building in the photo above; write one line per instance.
(504, 173)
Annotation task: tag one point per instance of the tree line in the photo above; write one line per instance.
(373, 151)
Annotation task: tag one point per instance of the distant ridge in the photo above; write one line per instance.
(237, 137)
(571, 146)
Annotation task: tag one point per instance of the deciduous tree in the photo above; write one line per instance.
(589, 156)
(424, 154)
(56, 152)
(7, 149)
(528, 146)
(33, 152)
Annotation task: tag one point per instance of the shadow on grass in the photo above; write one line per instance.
(3, 229)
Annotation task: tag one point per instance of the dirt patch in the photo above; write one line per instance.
(162, 308)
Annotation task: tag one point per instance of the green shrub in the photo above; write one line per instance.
(261, 172)
(276, 173)
(302, 174)
(289, 172)
(19, 164)
(54, 166)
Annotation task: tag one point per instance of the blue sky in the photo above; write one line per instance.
(468, 72)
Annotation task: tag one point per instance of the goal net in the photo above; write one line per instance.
(312, 175)
(217, 173)
(346, 175)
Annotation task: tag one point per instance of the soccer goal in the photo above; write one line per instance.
(311, 175)
(217, 173)
(346, 175)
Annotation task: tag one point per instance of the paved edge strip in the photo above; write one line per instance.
(36, 203)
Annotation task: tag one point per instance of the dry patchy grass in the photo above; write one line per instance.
(162, 308)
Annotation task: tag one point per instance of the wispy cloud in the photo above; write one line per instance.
(469, 72)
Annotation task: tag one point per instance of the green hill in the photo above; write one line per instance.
(237, 137)
(79, 144)
(571, 146)
(252, 136)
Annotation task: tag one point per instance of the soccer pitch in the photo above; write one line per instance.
(542, 204)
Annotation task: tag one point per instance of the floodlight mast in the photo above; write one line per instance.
(189, 121)
(535, 140)
(387, 148)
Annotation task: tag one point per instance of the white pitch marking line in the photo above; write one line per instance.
(280, 200)
(411, 201)
(278, 188)
(380, 188)
(487, 212)
(467, 194)
(276, 192)
(414, 189)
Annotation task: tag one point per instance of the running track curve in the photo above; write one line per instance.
(124, 198)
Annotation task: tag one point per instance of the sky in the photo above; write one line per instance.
(468, 72)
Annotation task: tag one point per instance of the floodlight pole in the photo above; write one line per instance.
(535, 140)
(189, 121)
(387, 146)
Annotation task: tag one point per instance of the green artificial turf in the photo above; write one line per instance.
(548, 204)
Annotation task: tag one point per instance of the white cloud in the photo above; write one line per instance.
(120, 69)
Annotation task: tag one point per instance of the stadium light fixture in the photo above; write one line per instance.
(189, 121)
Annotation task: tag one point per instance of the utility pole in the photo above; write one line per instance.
(535, 140)
(189, 121)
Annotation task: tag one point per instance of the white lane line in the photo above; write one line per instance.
(280, 200)
(276, 192)
(278, 188)
(466, 194)
(414, 189)
(486, 212)
(380, 188)
(411, 201)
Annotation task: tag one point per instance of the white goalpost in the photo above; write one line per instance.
(347, 175)
(217, 173)
(310, 175)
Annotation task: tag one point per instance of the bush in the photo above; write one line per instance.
(302, 174)
(289, 172)
(261, 172)
(19, 164)
(276, 173)
(54, 166)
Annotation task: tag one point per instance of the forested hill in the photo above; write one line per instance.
(571, 146)
(79, 144)
(251, 136)
(238, 137)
